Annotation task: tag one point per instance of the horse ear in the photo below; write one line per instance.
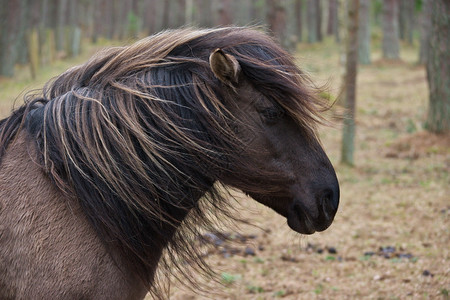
(224, 66)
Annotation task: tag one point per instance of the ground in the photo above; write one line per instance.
(390, 238)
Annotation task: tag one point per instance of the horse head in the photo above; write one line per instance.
(281, 163)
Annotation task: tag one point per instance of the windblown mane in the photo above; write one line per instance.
(139, 133)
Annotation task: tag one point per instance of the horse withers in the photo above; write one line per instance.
(125, 157)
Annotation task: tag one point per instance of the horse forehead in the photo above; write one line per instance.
(248, 94)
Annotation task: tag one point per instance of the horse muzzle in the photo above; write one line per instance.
(309, 213)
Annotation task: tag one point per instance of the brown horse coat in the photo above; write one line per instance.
(41, 238)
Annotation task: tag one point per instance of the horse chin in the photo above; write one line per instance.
(301, 221)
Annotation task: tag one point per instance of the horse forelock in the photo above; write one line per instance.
(139, 133)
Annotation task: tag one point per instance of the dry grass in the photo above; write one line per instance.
(397, 195)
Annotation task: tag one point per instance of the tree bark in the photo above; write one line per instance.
(181, 13)
(22, 49)
(348, 136)
(299, 19)
(225, 14)
(312, 21)
(425, 31)
(276, 18)
(166, 14)
(8, 36)
(319, 20)
(364, 33)
(73, 30)
(60, 23)
(438, 67)
(332, 17)
(406, 20)
(390, 30)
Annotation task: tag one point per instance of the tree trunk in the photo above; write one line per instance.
(166, 14)
(332, 17)
(364, 33)
(181, 13)
(73, 30)
(319, 20)
(276, 18)
(224, 10)
(9, 35)
(312, 21)
(390, 30)
(298, 19)
(148, 16)
(60, 23)
(22, 50)
(406, 20)
(348, 136)
(425, 31)
(203, 14)
(438, 67)
(189, 11)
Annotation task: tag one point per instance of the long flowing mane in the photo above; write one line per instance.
(139, 133)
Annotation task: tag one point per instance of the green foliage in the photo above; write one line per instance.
(229, 279)
(327, 96)
(253, 289)
(377, 7)
(258, 260)
(279, 293)
(133, 24)
(330, 258)
(260, 3)
(319, 289)
(411, 126)
(418, 5)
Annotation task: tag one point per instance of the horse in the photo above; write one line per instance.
(108, 172)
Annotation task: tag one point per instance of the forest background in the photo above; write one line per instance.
(390, 239)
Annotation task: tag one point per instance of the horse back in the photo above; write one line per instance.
(47, 248)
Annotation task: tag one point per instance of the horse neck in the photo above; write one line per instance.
(163, 233)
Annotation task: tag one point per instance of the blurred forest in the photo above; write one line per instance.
(37, 32)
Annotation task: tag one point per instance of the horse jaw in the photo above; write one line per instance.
(306, 212)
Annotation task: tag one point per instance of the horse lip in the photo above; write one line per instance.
(308, 220)
(299, 220)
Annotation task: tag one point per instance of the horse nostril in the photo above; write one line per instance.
(330, 201)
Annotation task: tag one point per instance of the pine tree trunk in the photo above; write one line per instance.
(276, 18)
(390, 30)
(181, 13)
(332, 17)
(438, 67)
(312, 21)
(224, 10)
(319, 20)
(21, 42)
(364, 33)
(406, 17)
(8, 36)
(348, 136)
(298, 19)
(60, 23)
(425, 31)
(189, 11)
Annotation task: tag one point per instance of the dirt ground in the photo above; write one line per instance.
(390, 238)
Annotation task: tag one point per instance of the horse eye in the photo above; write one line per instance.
(272, 114)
